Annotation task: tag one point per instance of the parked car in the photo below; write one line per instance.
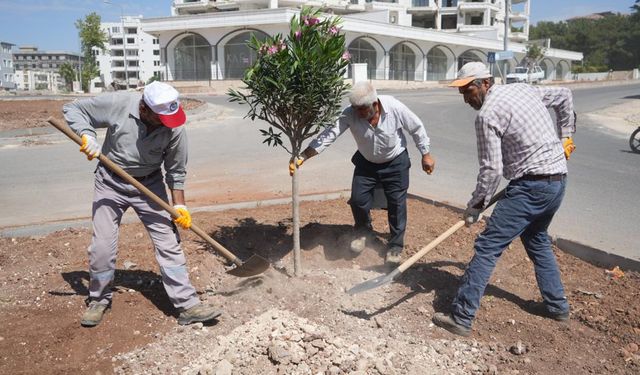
(524, 74)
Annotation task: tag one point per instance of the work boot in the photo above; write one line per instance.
(540, 309)
(394, 256)
(198, 313)
(94, 313)
(447, 322)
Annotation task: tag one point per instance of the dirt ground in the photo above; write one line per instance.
(33, 113)
(278, 324)
(43, 284)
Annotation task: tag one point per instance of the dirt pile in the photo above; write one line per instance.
(280, 342)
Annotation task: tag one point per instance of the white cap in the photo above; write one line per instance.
(163, 100)
(470, 72)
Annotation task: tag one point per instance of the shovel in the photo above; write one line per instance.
(255, 265)
(388, 278)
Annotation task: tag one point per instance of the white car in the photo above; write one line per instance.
(523, 74)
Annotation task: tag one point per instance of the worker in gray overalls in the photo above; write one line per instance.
(143, 133)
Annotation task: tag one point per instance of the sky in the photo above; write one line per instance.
(49, 24)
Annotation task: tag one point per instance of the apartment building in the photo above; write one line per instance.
(131, 56)
(7, 72)
(40, 70)
(398, 39)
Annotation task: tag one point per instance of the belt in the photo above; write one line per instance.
(543, 177)
(149, 176)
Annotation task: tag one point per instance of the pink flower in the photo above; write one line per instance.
(283, 47)
(273, 49)
(334, 30)
(310, 21)
(298, 34)
(346, 56)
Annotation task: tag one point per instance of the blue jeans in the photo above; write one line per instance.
(525, 211)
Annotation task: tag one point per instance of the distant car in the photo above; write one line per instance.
(523, 74)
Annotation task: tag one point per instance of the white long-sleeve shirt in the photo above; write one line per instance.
(383, 142)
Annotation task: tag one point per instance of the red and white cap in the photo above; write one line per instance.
(163, 101)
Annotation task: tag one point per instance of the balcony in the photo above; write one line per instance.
(422, 7)
(476, 6)
(518, 16)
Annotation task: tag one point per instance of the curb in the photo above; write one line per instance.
(586, 253)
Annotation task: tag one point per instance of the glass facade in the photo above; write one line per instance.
(436, 65)
(238, 57)
(402, 63)
(362, 52)
(193, 59)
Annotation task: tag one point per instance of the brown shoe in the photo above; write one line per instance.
(198, 313)
(94, 314)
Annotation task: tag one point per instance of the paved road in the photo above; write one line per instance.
(229, 163)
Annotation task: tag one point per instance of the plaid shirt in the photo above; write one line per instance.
(516, 135)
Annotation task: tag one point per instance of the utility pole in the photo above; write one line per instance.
(507, 27)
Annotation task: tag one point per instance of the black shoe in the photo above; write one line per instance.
(540, 309)
(394, 256)
(447, 322)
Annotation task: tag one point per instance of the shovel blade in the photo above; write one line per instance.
(253, 266)
(374, 283)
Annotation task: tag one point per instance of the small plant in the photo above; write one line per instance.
(296, 86)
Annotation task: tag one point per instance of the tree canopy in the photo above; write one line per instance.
(90, 36)
(611, 42)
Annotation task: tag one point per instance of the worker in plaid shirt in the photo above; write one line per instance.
(516, 139)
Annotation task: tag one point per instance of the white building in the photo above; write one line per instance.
(398, 39)
(40, 70)
(7, 72)
(130, 54)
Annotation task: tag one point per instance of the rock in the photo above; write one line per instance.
(224, 368)
(197, 326)
(278, 354)
(129, 265)
(519, 348)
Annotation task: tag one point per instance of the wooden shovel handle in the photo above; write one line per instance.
(64, 128)
(409, 262)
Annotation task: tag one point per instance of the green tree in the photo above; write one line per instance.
(90, 36)
(534, 53)
(68, 73)
(296, 85)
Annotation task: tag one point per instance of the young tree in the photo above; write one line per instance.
(296, 85)
(534, 53)
(90, 36)
(68, 73)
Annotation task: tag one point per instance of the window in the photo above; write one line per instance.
(156, 63)
(156, 52)
(133, 63)
(132, 30)
(156, 41)
(20, 57)
(29, 57)
(116, 41)
(131, 40)
(62, 57)
(54, 65)
(115, 29)
(449, 22)
(45, 65)
(132, 52)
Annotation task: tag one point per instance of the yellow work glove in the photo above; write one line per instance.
(90, 147)
(185, 217)
(569, 147)
(293, 164)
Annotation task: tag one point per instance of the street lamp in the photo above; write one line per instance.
(124, 42)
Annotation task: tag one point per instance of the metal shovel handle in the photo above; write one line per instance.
(64, 128)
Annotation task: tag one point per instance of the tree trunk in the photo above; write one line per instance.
(297, 267)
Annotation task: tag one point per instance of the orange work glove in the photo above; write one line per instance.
(185, 217)
(294, 164)
(569, 147)
(90, 146)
